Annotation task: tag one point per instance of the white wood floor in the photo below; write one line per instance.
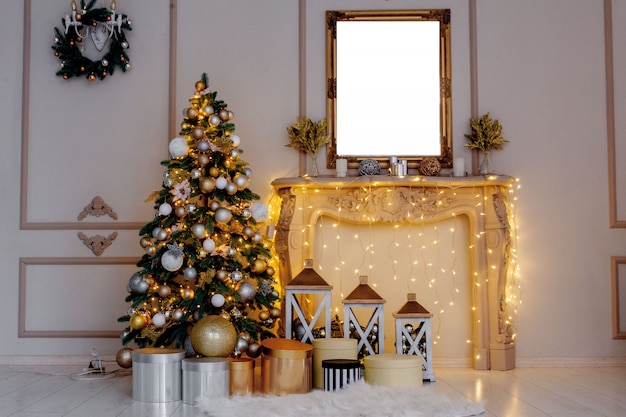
(46, 390)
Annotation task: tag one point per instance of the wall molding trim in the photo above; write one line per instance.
(615, 221)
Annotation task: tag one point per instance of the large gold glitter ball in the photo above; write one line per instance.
(124, 357)
(214, 336)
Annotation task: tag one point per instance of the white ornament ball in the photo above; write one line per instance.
(196, 173)
(221, 183)
(214, 120)
(178, 147)
(217, 300)
(248, 231)
(241, 181)
(223, 215)
(248, 171)
(198, 230)
(208, 109)
(171, 261)
(259, 211)
(158, 319)
(159, 233)
(236, 140)
(209, 245)
(165, 209)
(257, 237)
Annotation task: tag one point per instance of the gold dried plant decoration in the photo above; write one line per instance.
(308, 136)
(486, 134)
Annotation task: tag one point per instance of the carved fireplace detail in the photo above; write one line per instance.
(387, 199)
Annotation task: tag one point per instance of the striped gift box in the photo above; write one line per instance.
(340, 372)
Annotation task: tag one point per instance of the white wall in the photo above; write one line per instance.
(540, 72)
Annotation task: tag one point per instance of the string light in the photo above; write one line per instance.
(427, 256)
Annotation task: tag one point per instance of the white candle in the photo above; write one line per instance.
(458, 167)
(342, 167)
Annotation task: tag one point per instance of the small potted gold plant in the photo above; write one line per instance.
(309, 137)
(486, 135)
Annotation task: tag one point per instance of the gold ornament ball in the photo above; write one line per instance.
(203, 159)
(214, 336)
(214, 171)
(254, 349)
(192, 112)
(200, 85)
(270, 271)
(223, 114)
(264, 315)
(187, 293)
(275, 312)
(138, 321)
(124, 357)
(197, 133)
(207, 185)
(179, 211)
(259, 266)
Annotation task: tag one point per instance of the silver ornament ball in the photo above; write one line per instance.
(190, 272)
(247, 291)
(236, 276)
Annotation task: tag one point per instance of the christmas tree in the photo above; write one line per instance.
(206, 256)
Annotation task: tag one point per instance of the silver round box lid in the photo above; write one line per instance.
(208, 364)
(158, 355)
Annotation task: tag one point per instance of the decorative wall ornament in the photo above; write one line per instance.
(97, 244)
(97, 208)
(391, 204)
(100, 26)
(281, 243)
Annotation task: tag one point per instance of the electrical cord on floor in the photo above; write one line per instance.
(96, 371)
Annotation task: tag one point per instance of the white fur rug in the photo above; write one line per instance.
(357, 400)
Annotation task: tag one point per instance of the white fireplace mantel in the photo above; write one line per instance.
(414, 199)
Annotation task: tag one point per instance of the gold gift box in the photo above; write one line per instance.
(286, 367)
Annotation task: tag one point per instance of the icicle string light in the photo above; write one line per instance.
(429, 261)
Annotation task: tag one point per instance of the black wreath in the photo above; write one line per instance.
(67, 44)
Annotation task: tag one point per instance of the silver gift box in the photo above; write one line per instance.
(205, 377)
(157, 375)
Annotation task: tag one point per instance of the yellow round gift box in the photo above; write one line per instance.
(330, 348)
(393, 370)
